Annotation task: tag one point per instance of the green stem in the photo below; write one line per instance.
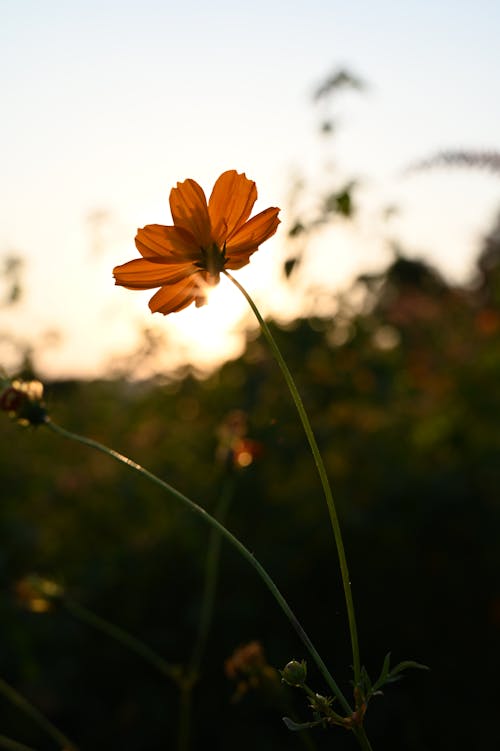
(185, 702)
(25, 706)
(322, 474)
(362, 739)
(205, 620)
(211, 575)
(242, 550)
(127, 640)
(11, 745)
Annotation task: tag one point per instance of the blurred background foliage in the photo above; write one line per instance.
(401, 384)
(403, 395)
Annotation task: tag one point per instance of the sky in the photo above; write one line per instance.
(109, 104)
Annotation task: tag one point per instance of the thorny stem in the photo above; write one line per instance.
(243, 551)
(322, 474)
(24, 705)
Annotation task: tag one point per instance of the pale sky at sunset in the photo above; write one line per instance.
(106, 105)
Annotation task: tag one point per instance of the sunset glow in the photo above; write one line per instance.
(91, 150)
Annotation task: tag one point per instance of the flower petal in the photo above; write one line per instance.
(175, 297)
(188, 205)
(142, 273)
(248, 238)
(171, 244)
(230, 204)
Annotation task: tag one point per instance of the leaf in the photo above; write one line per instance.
(340, 202)
(383, 673)
(344, 204)
(338, 79)
(297, 229)
(406, 664)
(327, 127)
(289, 266)
(366, 682)
(489, 160)
(294, 726)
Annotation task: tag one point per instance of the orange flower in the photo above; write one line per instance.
(187, 258)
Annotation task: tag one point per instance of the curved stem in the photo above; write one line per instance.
(118, 634)
(207, 607)
(242, 550)
(11, 745)
(321, 471)
(211, 575)
(27, 707)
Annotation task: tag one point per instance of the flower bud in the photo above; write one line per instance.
(294, 673)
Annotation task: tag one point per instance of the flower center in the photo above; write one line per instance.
(213, 262)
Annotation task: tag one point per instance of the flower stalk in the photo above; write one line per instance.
(211, 576)
(188, 681)
(346, 581)
(12, 745)
(86, 616)
(38, 718)
(242, 550)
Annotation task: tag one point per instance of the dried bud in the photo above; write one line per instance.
(249, 668)
(294, 673)
(37, 594)
(23, 400)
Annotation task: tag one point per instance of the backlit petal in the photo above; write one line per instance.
(171, 244)
(178, 296)
(188, 205)
(185, 259)
(144, 274)
(248, 238)
(230, 204)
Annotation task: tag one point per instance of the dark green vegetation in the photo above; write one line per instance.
(404, 397)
